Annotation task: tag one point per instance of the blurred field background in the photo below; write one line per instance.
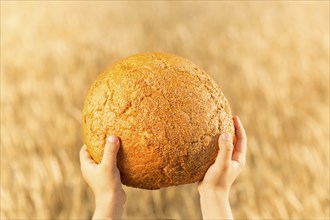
(271, 60)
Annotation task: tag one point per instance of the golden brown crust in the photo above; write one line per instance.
(168, 113)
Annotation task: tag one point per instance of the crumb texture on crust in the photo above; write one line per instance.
(168, 113)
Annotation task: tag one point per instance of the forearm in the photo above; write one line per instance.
(108, 209)
(215, 205)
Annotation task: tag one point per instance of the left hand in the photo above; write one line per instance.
(104, 179)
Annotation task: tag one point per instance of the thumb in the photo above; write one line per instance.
(223, 159)
(110, 152)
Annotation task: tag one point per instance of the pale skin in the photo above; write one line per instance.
(104, 178)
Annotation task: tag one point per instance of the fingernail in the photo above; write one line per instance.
(113, 139)
(226, 136)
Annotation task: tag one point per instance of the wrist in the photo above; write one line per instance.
(215, 203)
(106, 199)
(109, 206)
(211, 191)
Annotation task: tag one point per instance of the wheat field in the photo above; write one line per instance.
(271, 60)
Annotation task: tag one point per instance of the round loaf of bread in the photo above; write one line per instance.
(168, 114)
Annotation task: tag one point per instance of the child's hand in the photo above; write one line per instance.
(104, 180)
(214, 188)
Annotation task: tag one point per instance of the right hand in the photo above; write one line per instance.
(229, 162)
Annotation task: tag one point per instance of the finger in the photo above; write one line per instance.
(241, 143)
(110, 152)
(85, 157)
(225, 151)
